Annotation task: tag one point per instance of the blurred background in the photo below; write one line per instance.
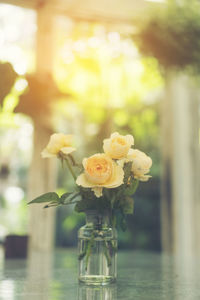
(92, 68)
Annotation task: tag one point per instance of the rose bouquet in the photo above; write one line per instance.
(105, 183)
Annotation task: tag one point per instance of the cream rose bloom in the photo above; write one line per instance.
(58, 142)
(100, 171)
(117, 146)
(141, 164)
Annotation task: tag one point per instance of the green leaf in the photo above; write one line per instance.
(90, 201)
(127, 171)
(48, 197)
(65, 196)
(132, 188)
(128, 206)
(68, 198)
(121, 219)
(79, 207)
(114, 220)
(123, 223)
(82, 205)
(112, 201)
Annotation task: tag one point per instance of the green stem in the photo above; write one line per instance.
(113, 220)
(82, 254)
(135, 186)
(89, 249)
(70, 168)
(70, 203)
(107, 254)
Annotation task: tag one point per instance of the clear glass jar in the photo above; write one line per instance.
(97, 243)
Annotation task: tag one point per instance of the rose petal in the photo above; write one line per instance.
(130, 139)
(67, 150)
(115, 180)
(82, 181)
(117, 146)
(143, 178)
(45, 154)
(114, 135)
(58, 142)
(117, 177)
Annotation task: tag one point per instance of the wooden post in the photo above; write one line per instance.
(181, 216)
(183, 193)
(42, 179)
(195, 149)
(166, 182)
(42, 171)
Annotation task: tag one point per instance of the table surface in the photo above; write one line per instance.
(141, 275)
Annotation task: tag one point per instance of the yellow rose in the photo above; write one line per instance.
(58, 142)
(100, 171)
(141, 164)
(117, 146)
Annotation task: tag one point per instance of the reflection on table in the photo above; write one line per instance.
(141, 275)
(97, 293)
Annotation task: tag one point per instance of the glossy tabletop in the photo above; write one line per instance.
(141, 275)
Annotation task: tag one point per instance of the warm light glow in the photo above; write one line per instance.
(14, 195)
(113, 37)
(161, 1)
(25, 139)
(17, 37)
(79, 46)
(98, 66)
(20, 67)
(20, 85)
(94, 42)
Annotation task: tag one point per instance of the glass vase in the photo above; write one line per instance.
(97, 244)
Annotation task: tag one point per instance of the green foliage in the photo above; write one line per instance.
(90, 202)
(127, 172)
(8, 96)
(172, 35)
(70, 223)
(47, 197)
(131, 189)
(128, 206)
(38, 98)
(123, 223)
(53, 199)
(8, 77)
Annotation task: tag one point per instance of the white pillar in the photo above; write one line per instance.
(182, 148)
(42, 171)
